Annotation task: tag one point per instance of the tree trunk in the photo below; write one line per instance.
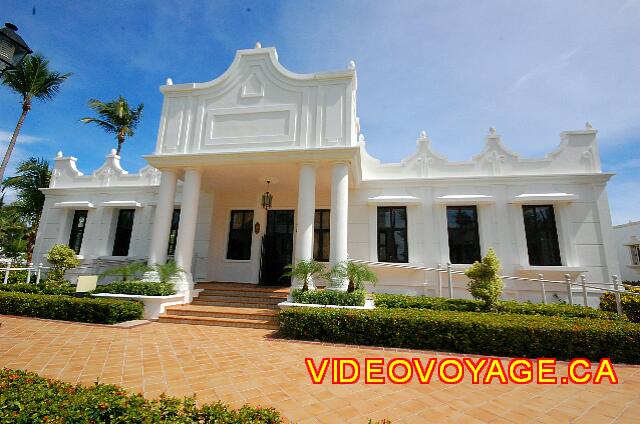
(120, 143)
(26, 106)
(351, 287)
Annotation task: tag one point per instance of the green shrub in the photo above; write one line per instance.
(305, 271)
(137, 287)
(127, 271)
(62, 258)
(27, 398)
(468, 305)
(630, 303)
(356, 274)
(17, 277)
(329, 297)
(464, 332)
(484, 281)
(60, 289)
(66, 308)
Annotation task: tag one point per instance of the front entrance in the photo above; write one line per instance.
(277, 248)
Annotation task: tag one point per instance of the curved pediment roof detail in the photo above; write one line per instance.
(257, 104)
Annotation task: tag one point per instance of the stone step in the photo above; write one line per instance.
(222, 322)
(238, 304)
(222, 312)
(248, 297)
(241, 287)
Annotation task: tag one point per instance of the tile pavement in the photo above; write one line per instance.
(243, 365)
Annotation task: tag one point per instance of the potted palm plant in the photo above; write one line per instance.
(304, 271)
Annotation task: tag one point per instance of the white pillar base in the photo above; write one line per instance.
(183, 283)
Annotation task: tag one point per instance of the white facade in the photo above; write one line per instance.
(223, 140)
(627, 239)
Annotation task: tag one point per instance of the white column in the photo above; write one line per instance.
(339, 216)
(306, 214)
(162, 218)
(187, 230)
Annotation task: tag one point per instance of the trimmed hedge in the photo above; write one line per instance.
(330, 297)
(62, 289)
(137, 287)
(630, 303)
(66, 308)
(465, 332)
(26, 398)
(503, 306)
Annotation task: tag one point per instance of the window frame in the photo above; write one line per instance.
(319, 234)
(634, 251)
(77, 232)
(173, 232)
(475, 246)
(531, 242)
(117, 233)
(245, 255)
(390, 234)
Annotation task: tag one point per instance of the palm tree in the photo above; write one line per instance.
(304, 271)
(31, 175)
(31, 79)
(357, 274)
(116, 117)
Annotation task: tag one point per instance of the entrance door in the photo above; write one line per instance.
(277, 248)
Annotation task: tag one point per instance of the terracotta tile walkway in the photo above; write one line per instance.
(240, 365)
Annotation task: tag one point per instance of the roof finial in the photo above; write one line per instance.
(169, 81)
(588, 125)
(492, 131)
(352, 65)
(113, 151)
(258, 45)
(59, 155)
(423, 135)
(361, 138)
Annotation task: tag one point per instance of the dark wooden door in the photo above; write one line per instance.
(277, 248)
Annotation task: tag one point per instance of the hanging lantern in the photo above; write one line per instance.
(267, 198)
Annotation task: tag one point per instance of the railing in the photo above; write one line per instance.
(540, 281)
(32, 272)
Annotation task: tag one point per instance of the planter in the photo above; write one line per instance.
(368, 304)
(153, 305)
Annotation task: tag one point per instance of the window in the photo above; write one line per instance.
(321, 235)
(123, 232)
(77, 230)
(635, 254)
(392, 234)
(240, 229)
(464, 240)
(173, 232)
(542, 236)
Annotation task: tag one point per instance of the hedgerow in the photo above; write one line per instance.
(27, 398)
(467, 332)
(66, 308)
(329, 297)
(137, 288)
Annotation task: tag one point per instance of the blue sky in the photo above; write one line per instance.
(454, 68)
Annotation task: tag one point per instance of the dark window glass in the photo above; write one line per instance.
(123, 232)
(240, 230)
(542, 235)
(321, 235)
(464, 241)
(392, 234)
(173, 233)
(77, 230)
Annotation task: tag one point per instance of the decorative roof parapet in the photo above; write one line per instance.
(65, 174)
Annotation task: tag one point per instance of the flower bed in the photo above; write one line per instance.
(66, 308)
(630, 303)
(142, 288)
(468, 332)
(511, 307)
(27, 397)
(329, 297)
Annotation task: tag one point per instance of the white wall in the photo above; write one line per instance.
(624, 235)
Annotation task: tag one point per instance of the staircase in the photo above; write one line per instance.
(230, 305)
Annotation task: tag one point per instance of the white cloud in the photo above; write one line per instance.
(5, 137)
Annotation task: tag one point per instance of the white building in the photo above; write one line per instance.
(221, 142)
(627, 239)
